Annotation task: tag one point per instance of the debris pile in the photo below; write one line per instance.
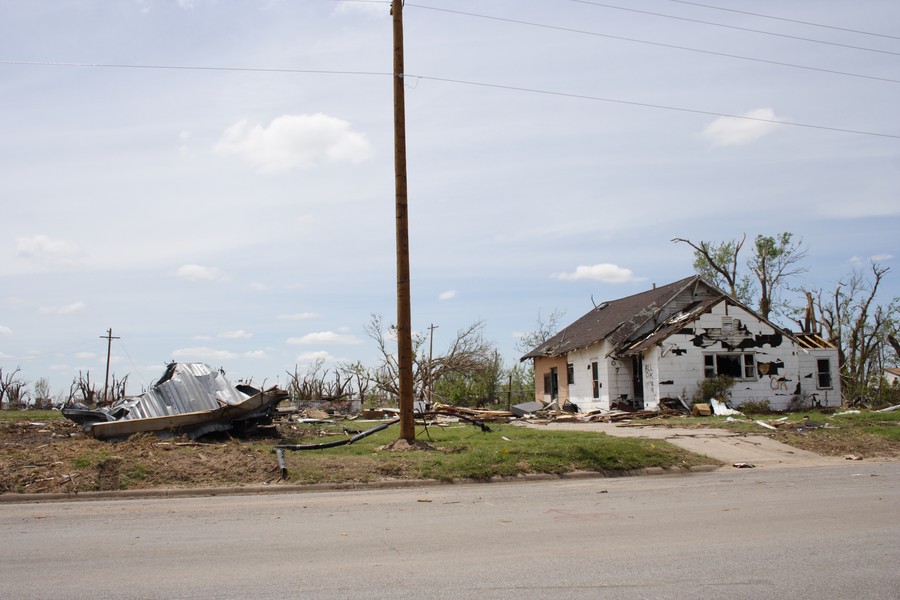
(190, 398)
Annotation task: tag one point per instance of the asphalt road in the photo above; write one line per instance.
(819, 532)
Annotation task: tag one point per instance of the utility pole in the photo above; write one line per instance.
(109, 337)
(404, 317)
(431, 329)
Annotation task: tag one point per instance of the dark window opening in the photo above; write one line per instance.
(570, 374)
(823, 373)
(731, 364)
(595, 374)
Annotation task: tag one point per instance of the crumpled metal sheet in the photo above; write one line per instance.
(184, 388)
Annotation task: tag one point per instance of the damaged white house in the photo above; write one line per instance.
(660, 344)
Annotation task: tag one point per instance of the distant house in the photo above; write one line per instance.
(892, 376)
(661, 343)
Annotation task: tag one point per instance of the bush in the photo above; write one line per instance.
(718, 388)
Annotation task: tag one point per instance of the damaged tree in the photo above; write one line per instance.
(315, 385)
(850, 318)
(468, 354)
(775, 261)
(13, 389)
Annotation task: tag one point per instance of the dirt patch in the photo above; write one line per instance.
(402, 445)
(58, 456)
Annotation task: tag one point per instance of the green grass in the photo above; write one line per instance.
(30, 415)
(465, 452)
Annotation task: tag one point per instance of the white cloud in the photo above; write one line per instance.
(311, 357)
(294, 141)
(239, 334)
(201, 273)
(68, 309)
(298, 316)
(605, 272)
(49, 252)
(85, 355)
(448, 295)
(325, 337)
(203, 353)
(881, 257)
(256, 354)
(4, 330)
(733, 131)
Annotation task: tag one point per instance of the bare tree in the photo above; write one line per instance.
(13, 389)
(467, 353)
(359, 377)
(545, 329)
(84, 391)
(851, 319)
(316, 385)
(42, 394)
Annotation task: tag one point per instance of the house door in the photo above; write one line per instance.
(554, 384)
(637, 380)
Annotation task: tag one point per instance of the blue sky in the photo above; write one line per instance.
(241, 212)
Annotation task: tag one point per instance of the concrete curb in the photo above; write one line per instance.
(253, 490)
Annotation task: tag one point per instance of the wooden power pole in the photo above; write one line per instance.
(404, 318)
(109, 337)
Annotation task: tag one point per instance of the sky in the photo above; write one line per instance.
(213, 181)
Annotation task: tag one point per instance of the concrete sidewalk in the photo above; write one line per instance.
(720, 444)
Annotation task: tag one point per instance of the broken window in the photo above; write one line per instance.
(570, 374)
(595, 375)
(823, 373)
(739, 365)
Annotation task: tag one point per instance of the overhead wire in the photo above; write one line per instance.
(461, 82)
(651, 43)
(656, 106)
(736, 27)
(519, 88)
(785, 19)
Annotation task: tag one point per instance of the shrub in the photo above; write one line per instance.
(718, 388)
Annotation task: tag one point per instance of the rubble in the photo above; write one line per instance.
(190, 398)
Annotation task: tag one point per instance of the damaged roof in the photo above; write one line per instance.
(635, 323)
(616, 319)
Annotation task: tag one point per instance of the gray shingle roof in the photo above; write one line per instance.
(616, 319)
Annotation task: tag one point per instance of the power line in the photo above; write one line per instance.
(461, 82)
(657, 106)
(651, 43)
(188, 68)
(799, 22)
(736, 27)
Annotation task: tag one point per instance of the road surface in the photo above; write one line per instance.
(810, 533)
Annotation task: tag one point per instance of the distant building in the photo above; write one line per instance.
(892, 376)
(659, 344)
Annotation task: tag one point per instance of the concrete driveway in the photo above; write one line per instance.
(720, 444)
